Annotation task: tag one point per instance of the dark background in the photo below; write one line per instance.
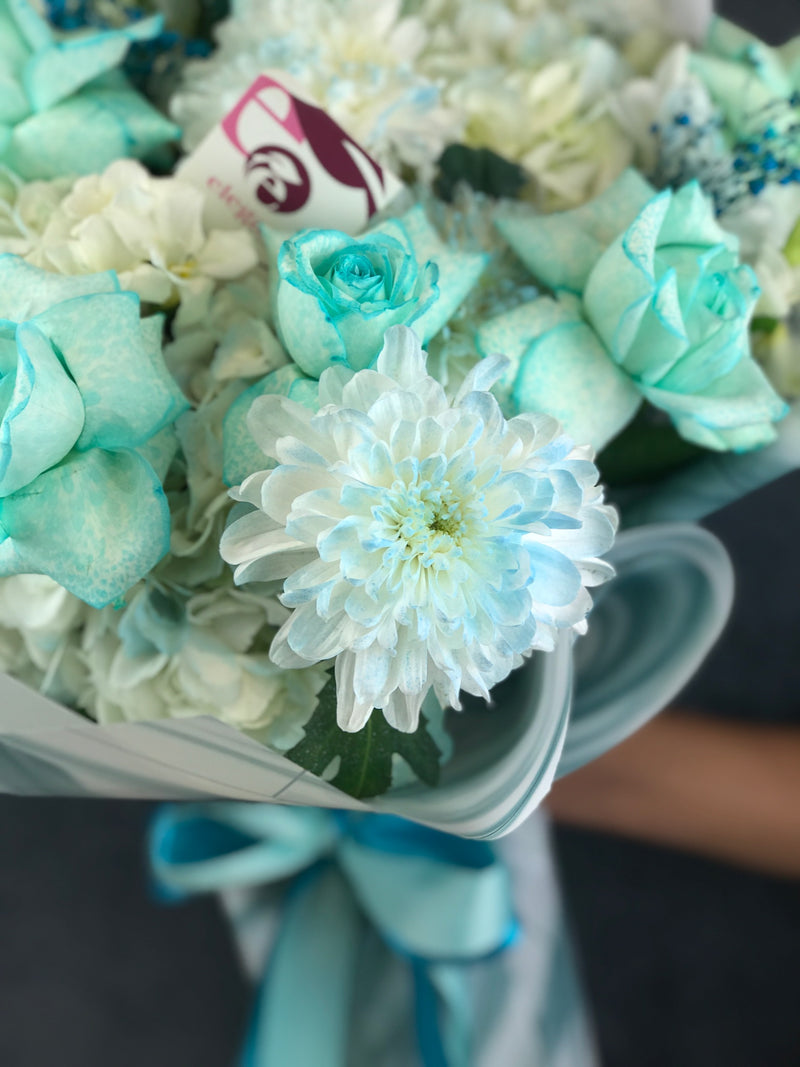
(688, 963)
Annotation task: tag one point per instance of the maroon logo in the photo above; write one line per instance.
(284, 180)
(284, 184)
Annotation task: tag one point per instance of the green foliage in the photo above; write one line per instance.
(483, 170)
(365, 767)
(647, 449)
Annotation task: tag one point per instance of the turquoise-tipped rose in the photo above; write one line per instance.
(654, 304)
(86, 413)
(337, 295)
(64, 107)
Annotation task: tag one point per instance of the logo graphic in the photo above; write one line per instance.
(284, 182)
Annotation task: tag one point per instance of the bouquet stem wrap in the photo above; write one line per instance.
(437, 901)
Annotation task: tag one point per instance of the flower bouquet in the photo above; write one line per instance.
(302, 442)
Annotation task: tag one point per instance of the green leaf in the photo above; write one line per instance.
(764, 324)
(365, 757)
(648, 448)
(482, 169)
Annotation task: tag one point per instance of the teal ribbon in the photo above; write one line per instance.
(438, 901)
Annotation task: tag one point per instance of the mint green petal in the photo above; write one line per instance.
(44, 416)
(52, 74)
(736, 88)
(729, 41)
(790, 58)
(362, 332)
(85, 133)
(458, 272)
(690, 220)
(559, 366)
(13, 102)
(661, 339)
(97, 523)
(307, 332)
(736, 411)
(26, 291)
(32, 28)
(128, 393)
(511, 334)
(622, 283)
(241, 455)
(14, 49)
(567, 373)
(561, 249)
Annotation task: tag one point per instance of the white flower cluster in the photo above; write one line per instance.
(357, 58)
(169, 656)
(527, 78)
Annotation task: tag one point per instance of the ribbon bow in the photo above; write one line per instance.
(438, 901)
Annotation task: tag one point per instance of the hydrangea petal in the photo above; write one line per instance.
(116, 361)
(100, 506)
(44, 417)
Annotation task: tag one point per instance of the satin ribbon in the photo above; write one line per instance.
(438, 901)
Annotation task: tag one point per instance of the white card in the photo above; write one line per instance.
(279, 159)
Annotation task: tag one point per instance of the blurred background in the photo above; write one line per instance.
(687, 962)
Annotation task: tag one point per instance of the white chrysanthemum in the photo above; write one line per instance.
(355, 58)
(423, 543)
(165, 657)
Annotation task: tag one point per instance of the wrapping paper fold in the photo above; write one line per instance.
(654, 624)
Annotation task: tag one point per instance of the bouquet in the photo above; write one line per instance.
(307, 416)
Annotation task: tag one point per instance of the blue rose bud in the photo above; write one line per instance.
(338, 295)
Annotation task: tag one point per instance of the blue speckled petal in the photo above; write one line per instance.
(115, 360)
(734, 412)
(31, 28)
(97, 523)
(44, 416)
(86, 132)
(561, 368)
(622, 282)
(458, 271)
(307, 331)
(54, 73)
(561, 249)
(242, 456)
(26, 291)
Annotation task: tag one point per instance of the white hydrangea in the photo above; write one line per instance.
(40, 628)
(355, 58)
(149, 230)
(165, 657)
(532, 86)
(222, 335)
